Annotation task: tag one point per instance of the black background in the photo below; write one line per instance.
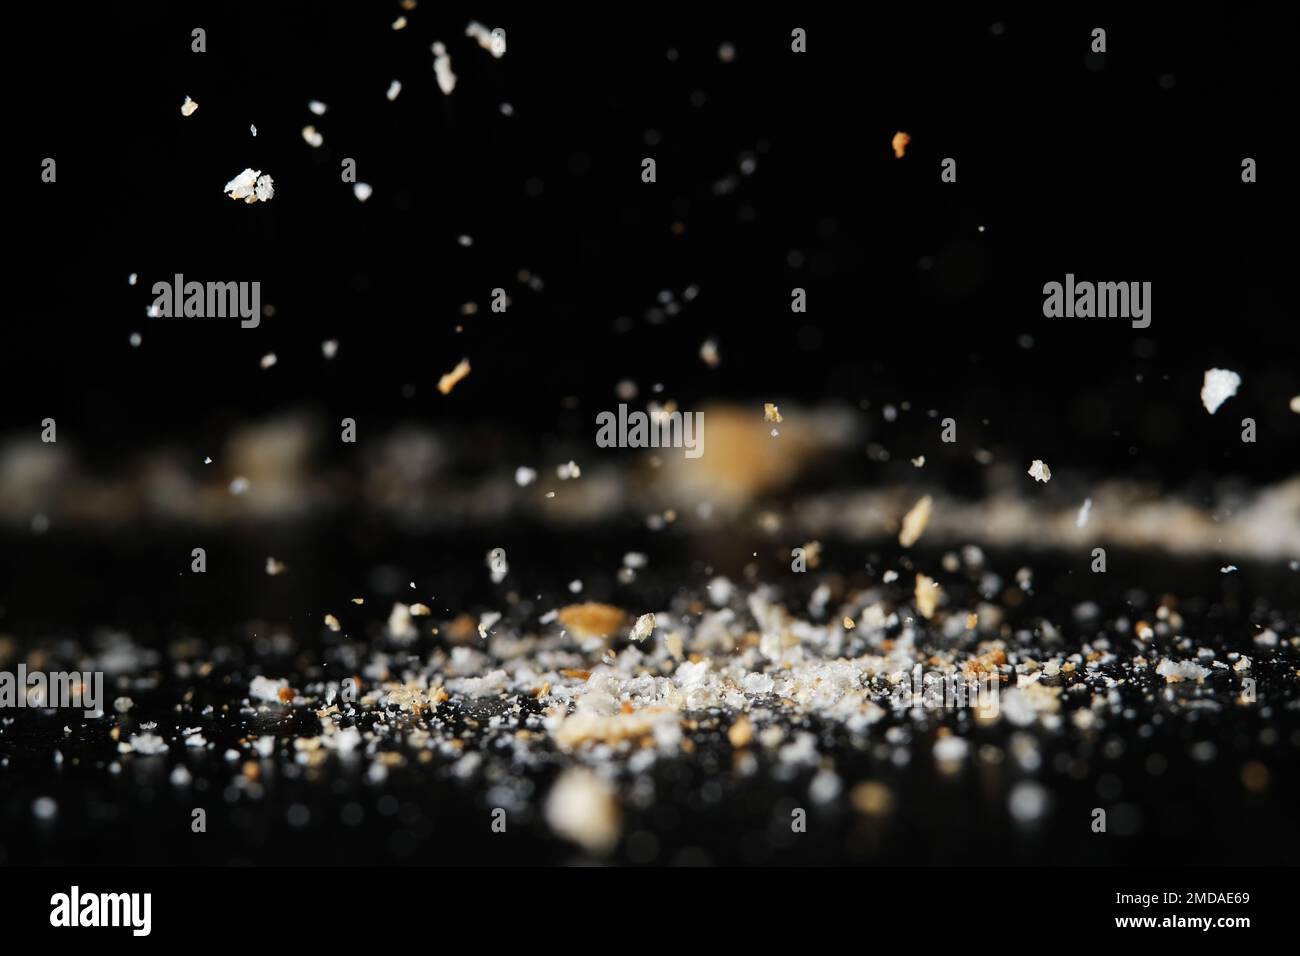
(1071, 162)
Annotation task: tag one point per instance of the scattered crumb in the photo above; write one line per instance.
(927, 595)
(771, 413)
(581, 807)
(251, 186)
(1219, 386)
(592, 619)
(899, 143)
(915, 521)
(274, 567)
(1039, 471)
(644, 627)
(188, 107)
(442, 69)
(394, 88)
(452, 378)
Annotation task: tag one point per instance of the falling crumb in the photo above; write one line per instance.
(251, 186)
(771, 413)
(329, 348)
(581, 807)
(593, 620)
(1039, 471)
(332, 623)
(919, 461)
(927, 595)
(135, 340)
(741, 733)
(1220, 385)
(274, 567)
(1228, 569)
(525, 476)
(188, 107)
(709, 353)
(252, 129)
(442, 69)
(493, 43)
(1295, 404)
(238, 485)
(644, 627)
(452, 378)
(1082, 518)
(399, 23)
(362, 191)
(268, 360)
(899, 142)
(394, 88)
(915, 521)
(568, 470)
(727, 52)
(312, 137)
(872, 799)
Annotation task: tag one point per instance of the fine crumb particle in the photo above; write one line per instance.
(1220, 385)
(442, 69)
(268, 360)
(848, 623)
(362, 191)
(927, 595)
(1228, 569)
(915, 521)
(581, 807)
(871, 799)
(394, 88)
(741, 733)
(274, 567)
(593, 620)
(251, 186)
(329, 348)
(709, 353)
(399, 23)
(312, 137)
(188, 107)
(919, 461)
(899, 143)
(452, 378)
(1039, 471)
(643, 628)
(267, 690)
(771, 413)
(568, 471)
(317, 107)
(332, 623)
(492, 41)
(1175, 671)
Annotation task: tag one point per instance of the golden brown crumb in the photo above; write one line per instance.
(848, 623)
(741, 732)
(592, 619)
(771, 413)
(332, 623)
(450, 380)
(899, 143)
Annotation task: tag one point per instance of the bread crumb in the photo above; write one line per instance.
(915, 521)
(1220, 385)
(442, 69)
(927, 595)
(581, 807)
(452, 378)
(188, 107)
(644, 627)
(899, 142)
(1039, 471)
(741, 733)
(592, 619)
(771, 413)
